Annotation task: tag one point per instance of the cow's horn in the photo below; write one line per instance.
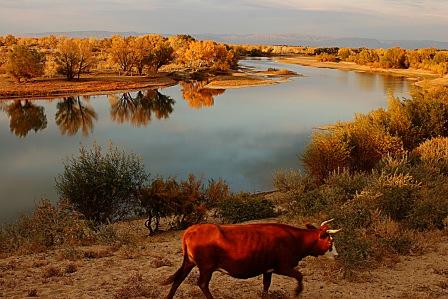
(333, 231)
(325, 222)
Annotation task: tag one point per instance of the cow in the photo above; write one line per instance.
(248, 250)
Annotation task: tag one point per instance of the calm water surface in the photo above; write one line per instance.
(240, 135)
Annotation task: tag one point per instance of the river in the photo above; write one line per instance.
(240, 135)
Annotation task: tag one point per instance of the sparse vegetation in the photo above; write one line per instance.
(382, 176)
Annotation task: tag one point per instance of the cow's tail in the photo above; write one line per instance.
(179, 271)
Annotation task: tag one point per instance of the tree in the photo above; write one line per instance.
(24, 63)
(103, 186)
(72, 114)
(208, 55)
(74, 57)
(10, 40)
(121, 53)
(86, 57)
(25, 116)
(197, 95)
(67, 58)
(395, 58)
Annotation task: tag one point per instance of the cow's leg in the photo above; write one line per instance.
(291, 272)
(267, 277)
(204, 279)
(179, 276)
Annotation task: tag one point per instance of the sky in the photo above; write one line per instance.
(381, 19)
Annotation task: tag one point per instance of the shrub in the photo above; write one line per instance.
(48, 226)
(52, 271)
(354, 250)
(187, 200)
(290, 181)
(349, 183)
(434, 152)
(25, 63)
(242, 207)
(326, 153)
(431, 209)
(398, 194)
(135, 287)
(391, 237)
(357, 146)
(102, 186)
(71, 268)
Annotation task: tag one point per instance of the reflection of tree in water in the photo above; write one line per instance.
(74, 114)
(24, 116)
(197, 96)
(139, 109)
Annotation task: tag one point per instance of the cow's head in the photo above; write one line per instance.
(325, 243)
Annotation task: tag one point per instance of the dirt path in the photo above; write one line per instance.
(137, 270)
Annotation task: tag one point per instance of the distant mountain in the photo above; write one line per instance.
(274, 39)
(81, 34)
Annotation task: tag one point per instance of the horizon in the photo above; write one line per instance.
(371, 19)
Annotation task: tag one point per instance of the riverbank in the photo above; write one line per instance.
(137, 268)
(418, 75)
(102, 84)
(88, 85)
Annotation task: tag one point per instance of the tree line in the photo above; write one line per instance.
(430, 59)
(27, 58)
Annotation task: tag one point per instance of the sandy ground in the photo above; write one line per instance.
(137, 270)
(423, 77)
(250, 78)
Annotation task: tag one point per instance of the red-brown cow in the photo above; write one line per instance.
(249, 250)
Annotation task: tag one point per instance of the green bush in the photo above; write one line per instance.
(291, 181)
(349, 183)
(242, 207)
(102, 186)
(431, 209)
(398, 194)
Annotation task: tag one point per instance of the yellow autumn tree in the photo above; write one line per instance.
(122, 54)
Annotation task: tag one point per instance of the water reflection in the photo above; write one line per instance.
(74, 114)
(25, 116)
(138, 109)
(197, 96)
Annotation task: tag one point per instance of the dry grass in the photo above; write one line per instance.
(52, 271)
(71, 268)
(32, 293)
(136, 287)
(98, 252)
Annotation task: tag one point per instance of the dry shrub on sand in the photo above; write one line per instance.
(71, 268)
(159, 261)
(52, 271)
(136, 287)
(95, 253)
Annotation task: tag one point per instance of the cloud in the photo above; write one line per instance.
(399, 8)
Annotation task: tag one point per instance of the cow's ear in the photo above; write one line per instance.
(310, 226)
